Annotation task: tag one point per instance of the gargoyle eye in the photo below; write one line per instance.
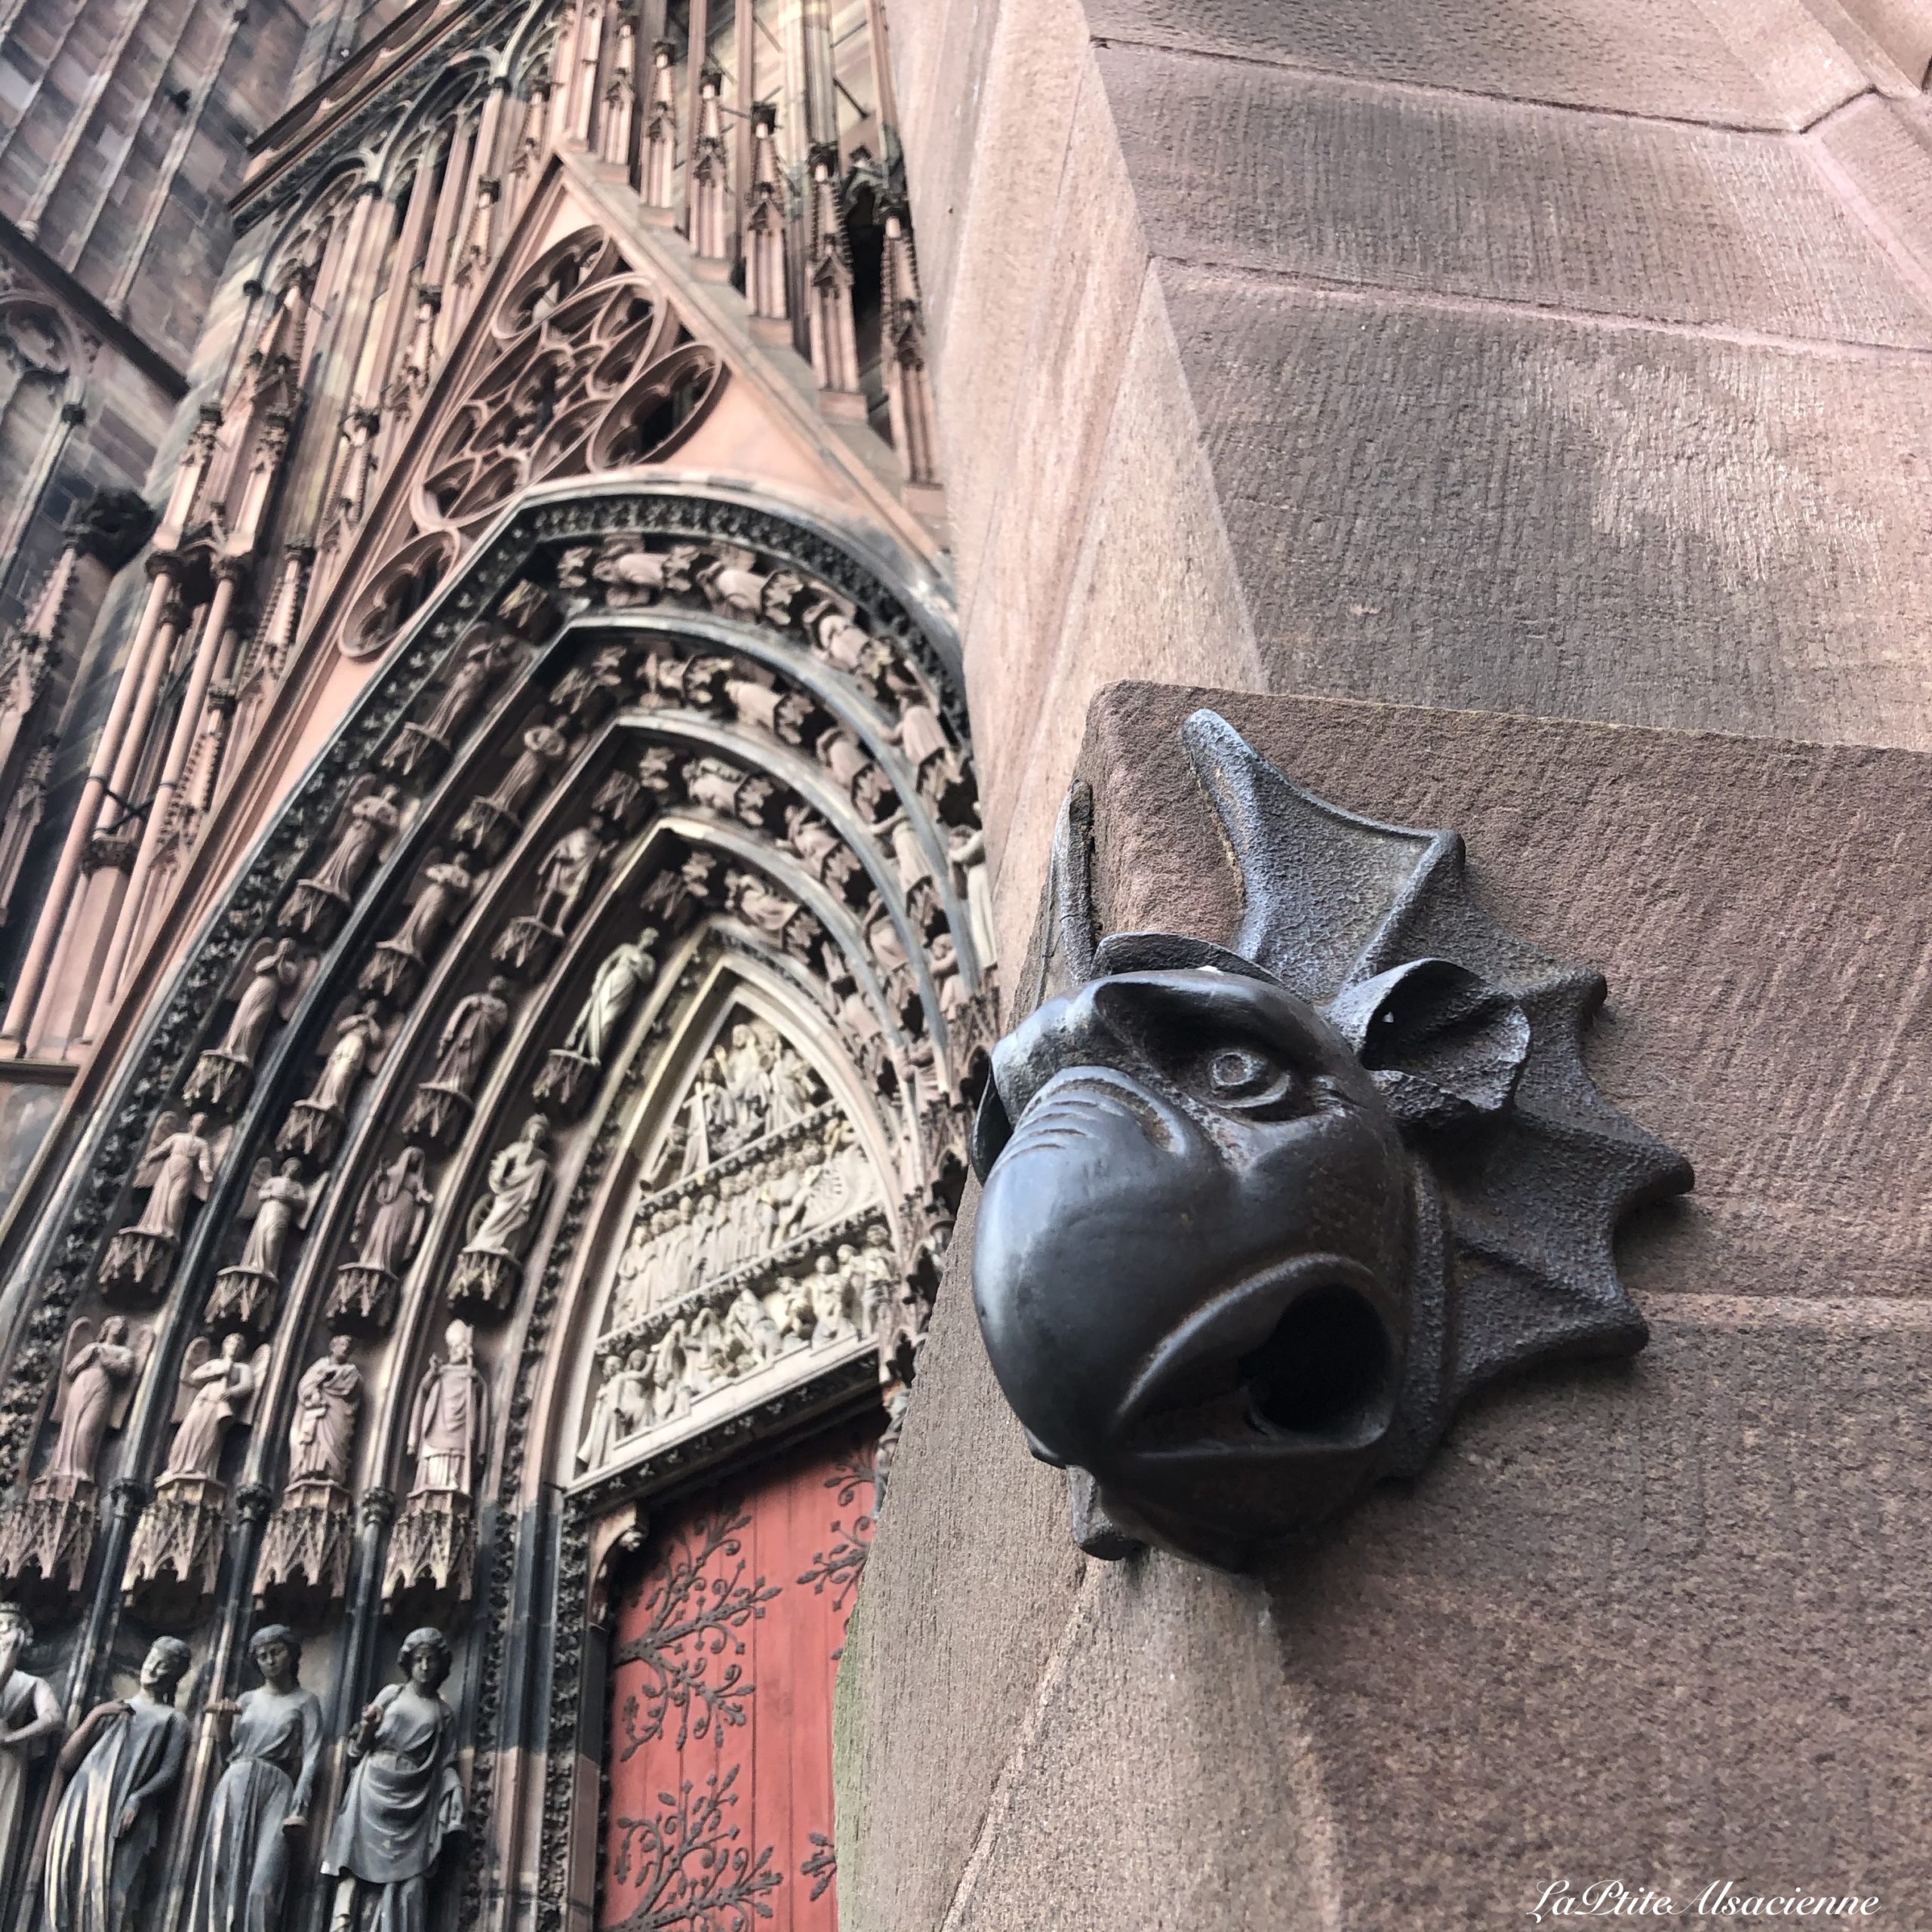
(1245, 1075)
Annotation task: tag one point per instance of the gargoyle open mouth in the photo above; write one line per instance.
(1238, 1200)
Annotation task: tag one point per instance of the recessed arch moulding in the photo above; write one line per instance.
(570, 1090)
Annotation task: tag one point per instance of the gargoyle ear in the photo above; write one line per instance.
(1445, 1047)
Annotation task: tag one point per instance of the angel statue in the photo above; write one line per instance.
(389, 1221)
(314, 1124)
(270, 986)
(97, 1384)
(217, 1390)
(276, 1202)
(490, 1269)
(177, 1170)
(176, 1554)
(51, 1529)
(319, 902)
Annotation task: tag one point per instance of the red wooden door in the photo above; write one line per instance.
(726, 1643)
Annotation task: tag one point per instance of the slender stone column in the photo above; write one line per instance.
(14, 1031)
(187, 723)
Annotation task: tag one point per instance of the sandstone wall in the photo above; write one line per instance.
(1550, 359)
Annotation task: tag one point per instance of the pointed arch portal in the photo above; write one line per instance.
(565, 1105)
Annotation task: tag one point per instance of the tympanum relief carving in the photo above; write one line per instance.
(769, 1253)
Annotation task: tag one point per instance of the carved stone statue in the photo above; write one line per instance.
(30, 1719)
(315, 1124)
(567, 869)
(1201, 1165)
(51, 1529)
(389, 1221)
(305, 1547)
(276, 1204)
(418, 746)
(490, 1269)
(317, 902)
(274, 1736)
(528, 944)
(395, 969)
(328, 1401)
(569, 1072)
(489, 823)
(441, 1106)
(99, 1377)
(221, 1074)
(404, 1800)
(831, 1320)
(116, 1772)
(176, 1554)
(449, 1423)
(177, 1170)
(632, 575)
(622, 1408)
(670, 1364)
(217, 1389)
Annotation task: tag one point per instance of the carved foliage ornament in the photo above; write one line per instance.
(1257, 1217)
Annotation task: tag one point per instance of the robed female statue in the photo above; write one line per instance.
(275, 1740)
(404, 1800)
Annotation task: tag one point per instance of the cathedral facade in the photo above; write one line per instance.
(498, 951)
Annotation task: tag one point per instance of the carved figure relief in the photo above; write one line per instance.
(319, 902)
(441, 1108)
(305, 1547)
(490, 823)
(404, 1800)
(434, 1542)
(175, 1553)
(314, 1126)
(395, 968)
(49, 1532)
(389, 1221)
(529, 944)
(273, 1736)
(569, 1071)
(115, 1775)
(1290, 1101)
(277, 1203)
(177, 1171)
(423, 749)
(490, 1270)
(221, 1076)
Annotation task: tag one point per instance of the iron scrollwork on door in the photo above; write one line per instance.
(1257, 1217)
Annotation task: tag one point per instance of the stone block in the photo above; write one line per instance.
(1605, 1634)
(1352, 183)
(1743, 64)
(1436, 503)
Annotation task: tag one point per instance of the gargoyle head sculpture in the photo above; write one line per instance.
(1256, 1218)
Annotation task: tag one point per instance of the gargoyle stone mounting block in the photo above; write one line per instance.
(1256, 1217)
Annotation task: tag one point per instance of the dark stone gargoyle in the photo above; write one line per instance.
(1256, 1218)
